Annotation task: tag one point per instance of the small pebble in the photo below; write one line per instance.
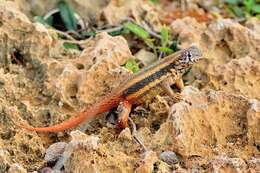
(169, 157)
(55, 151)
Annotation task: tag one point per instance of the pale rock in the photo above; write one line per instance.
(147, 164)
(16, 168)
(55, 151)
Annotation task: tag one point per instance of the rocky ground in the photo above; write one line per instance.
(42, 84)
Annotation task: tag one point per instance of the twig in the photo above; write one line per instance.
(64, 34)
(161, 55)
(135, 134)
(74, 32)
(79, 42)
(110, 29)
(150, 31)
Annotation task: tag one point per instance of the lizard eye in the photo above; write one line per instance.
(189, 55)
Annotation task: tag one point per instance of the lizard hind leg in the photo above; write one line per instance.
(123, 109)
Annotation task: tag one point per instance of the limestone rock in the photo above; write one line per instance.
(253, 24)
(238, 40)
(4, 161)
(216, 122)
(55, 151)
(189, 31)
(239, 76)
(16, 168)
(147, 164)
(79, 82)
(118, 11)
(228, 165)
(89, 156)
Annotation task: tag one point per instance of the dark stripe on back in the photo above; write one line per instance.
(157, 75)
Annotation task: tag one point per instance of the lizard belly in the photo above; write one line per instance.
(149, 95)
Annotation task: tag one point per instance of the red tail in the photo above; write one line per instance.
(105, 105)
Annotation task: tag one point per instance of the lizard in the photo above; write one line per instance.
(134, 90)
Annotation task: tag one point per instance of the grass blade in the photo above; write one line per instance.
(164, 36)
(132, 66)
(70, 46)
(67, 16)
(256, 8)
(137, 30)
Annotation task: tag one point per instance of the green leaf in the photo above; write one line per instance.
(249, 5)
(132, 65)
(67, 16)
(156, 2)
(70, 46)
(236, 11)
(166, 50)
(137, 30)
(149, 43)
(258, 16)
(49, 20)
(88, 34)
(164, 36)
(119, 32)
(256, 8)
(232, 1)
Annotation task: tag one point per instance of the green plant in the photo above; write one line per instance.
(141, 33)
(132, 65)
(70, 46)
(156, 2)
(165, 41)
(67, 15)
(243, 8)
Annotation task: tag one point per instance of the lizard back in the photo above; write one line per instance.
(173, 65)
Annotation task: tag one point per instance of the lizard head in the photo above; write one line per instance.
(190, 56)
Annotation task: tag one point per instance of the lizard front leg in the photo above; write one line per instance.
(179, 84)
(177, 97)
(123, 109)
(168, 90)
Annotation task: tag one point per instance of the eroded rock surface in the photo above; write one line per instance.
(216, 121)
(41, 84)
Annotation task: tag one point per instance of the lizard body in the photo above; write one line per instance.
(132, 90)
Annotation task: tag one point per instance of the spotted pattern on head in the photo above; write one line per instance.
(191, 55)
